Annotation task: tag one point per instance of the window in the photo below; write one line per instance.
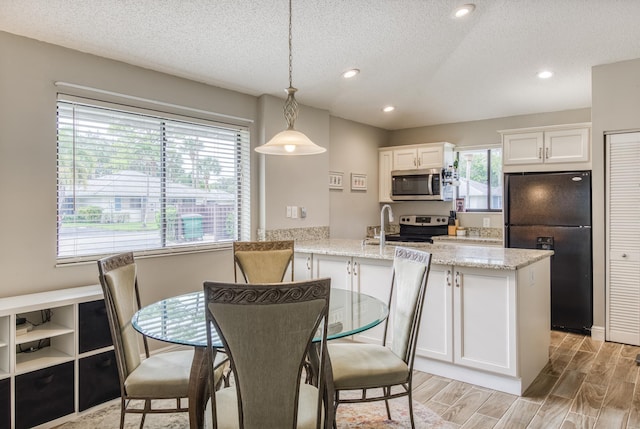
(480, 172)
(133, 180)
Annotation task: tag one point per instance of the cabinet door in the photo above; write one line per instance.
(93, 326)
(372, 277)
(431, 156)
(302, 266)
(484, 317)
(405, 159)
(5, 403)
(338, 268)
(385, 165)
(623, 238)
(435, 337)
(44, 395)
(523, 148)
(566, 146)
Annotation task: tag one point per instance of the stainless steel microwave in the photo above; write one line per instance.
(420, 185)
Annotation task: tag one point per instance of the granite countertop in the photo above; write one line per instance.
(490, 257)
(468, 239)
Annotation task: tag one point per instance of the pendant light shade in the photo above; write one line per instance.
(290, 141)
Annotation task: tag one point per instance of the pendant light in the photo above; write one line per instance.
(290, 141)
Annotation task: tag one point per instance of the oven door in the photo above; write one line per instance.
(415, 185)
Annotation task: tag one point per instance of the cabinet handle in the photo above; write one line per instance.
(449, 278)
(349, 267)
(356, 268)
(624, 255)
(415, 162)
(308, 263)
(457, 278)
(539, 153)
(546, 153)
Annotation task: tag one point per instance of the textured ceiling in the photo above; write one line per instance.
(411, 53)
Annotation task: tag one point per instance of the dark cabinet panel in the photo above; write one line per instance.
(98, 377)
(5, 403)
(93, 326)
(44, 395)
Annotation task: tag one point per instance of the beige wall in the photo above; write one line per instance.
(293, 181)
(28, 165)
(616, 107)
(354, 149)
(484, 132)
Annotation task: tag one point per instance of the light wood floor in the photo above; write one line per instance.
(586, 384)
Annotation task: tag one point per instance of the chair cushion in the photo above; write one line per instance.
(264, 266)
(227, 408)
(358, 366)
(164, 375)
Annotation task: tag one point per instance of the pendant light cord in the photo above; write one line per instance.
(290, 48)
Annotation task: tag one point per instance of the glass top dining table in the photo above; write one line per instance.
(181, 319)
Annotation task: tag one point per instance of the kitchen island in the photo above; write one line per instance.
(486, 317)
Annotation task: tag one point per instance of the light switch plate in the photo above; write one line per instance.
(294, 212)
(288, 211)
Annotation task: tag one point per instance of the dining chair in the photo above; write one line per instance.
(267, 330)
(374, 369)
(263, 261)
(158, 376)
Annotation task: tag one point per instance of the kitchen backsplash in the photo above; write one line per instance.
(312, 233)
(471, 231)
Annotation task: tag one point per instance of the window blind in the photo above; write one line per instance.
(135, 181)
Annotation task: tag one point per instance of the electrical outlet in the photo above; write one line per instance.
(486, 222)
(303, 212)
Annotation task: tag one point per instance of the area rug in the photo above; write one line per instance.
(360, 416)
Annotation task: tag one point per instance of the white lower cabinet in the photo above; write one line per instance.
(364, 275)
(468, 318)
(496, 321)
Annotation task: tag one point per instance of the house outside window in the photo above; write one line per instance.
(135, 180)
(480, 173)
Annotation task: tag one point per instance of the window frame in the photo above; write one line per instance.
(241, 160)
(488, 149)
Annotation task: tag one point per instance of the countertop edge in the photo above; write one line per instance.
(489, 257)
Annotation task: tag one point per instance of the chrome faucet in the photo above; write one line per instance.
(382, 236)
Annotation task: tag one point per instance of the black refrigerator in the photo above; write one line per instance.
(553, 211)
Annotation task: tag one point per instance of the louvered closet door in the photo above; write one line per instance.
(623, 238)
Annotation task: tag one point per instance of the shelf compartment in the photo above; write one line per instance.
(45, 357)
(41, 332)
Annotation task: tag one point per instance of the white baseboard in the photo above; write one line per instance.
(598, 333)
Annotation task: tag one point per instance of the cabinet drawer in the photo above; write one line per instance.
(44, 395)
(93, 326)
(5, 403)
(98, 379)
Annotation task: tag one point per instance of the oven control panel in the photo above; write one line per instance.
(423, 220)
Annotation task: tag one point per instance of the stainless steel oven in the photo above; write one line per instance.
(420, 185)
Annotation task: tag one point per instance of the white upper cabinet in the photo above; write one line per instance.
(410, 157)
(428, 155)
(385, 165)
(547, 148)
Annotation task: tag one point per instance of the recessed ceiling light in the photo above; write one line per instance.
(350, 73)
(464, 10)
(545, 74)
(388, 109)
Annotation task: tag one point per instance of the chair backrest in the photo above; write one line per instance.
(409, 283)
(266, 331)
(263, 261)
(118, 277)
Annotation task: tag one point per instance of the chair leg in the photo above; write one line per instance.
(123, 406)
(413, 424)
(387, 392)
